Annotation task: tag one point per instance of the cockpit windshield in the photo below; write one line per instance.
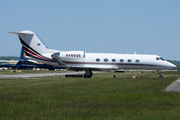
(159, 58)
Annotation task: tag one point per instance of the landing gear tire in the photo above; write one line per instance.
(160, 76)
(88, 73)
(87, 76)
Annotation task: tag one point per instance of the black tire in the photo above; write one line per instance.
(160, 76)
(87, 76)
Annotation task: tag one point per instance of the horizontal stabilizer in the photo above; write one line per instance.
(21, 32)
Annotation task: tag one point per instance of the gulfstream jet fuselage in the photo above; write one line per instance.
(35, 49)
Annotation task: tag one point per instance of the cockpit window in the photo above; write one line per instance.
(161, 58)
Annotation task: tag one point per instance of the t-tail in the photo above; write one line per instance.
(34, 47)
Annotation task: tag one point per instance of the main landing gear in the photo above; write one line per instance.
(88, 73)
(160, 75)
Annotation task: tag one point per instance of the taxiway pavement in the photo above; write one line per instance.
(37, 75)
(174, 87)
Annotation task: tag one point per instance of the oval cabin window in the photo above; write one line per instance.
(137, 61)
(129, 60)
(105, 60)
(113, 60)
(97, 59)
(121, 60)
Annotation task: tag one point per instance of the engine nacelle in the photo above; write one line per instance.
(72, 55)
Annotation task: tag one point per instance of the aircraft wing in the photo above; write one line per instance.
(92, 67)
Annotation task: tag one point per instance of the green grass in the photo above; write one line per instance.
(100, 97)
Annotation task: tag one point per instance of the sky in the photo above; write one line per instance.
(102, 26)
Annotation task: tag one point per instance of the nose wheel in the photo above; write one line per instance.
(160, 75)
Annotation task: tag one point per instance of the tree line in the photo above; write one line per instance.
(9, 58)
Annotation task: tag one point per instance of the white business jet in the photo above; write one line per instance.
(36, 50)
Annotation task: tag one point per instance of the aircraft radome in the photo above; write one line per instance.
(36, 50)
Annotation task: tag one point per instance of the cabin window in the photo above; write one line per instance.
(129, 60)
(137, 61)
(105, 60)
(97, 59)
(38, 44)
(121, 60)
(114, 60)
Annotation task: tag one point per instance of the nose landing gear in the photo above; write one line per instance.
(160, 75)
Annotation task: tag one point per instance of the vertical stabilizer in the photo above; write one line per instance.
(23, 54)
(31, 41)
(32, 45)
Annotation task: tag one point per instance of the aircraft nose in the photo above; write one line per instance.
(171, 65)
